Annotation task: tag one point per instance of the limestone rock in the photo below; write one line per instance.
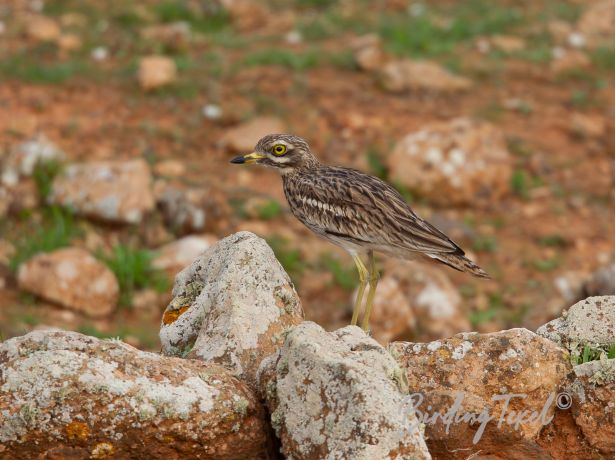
(175, 256)
(459, 162)
(507, 43)
(66, 395)
(589, 321)
(42, 28)
(593, 407)
(69, 42)
(470, 369)
(597, 23)
(367, 52)
(156, 72)
(22, 159)
(244, 137)
(407, 75)
(192, 209)
(338, 395)
(73, 278)
(248, 15)
(115, 191)
(233, 306)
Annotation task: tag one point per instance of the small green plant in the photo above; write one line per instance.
(57, 230)
(487, 243)
(133, 270)
(43, 175)
(546, 265)
(554, 241)
(611, 352)
(376, 165)
(345, 277)
(580, 354)
(269, 210)
(519, 183)
(285, 58)
(490, 313)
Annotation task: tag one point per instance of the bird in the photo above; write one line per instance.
(356, 211)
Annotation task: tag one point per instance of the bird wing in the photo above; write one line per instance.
(350, 204)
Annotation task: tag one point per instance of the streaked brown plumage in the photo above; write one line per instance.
(356, 211)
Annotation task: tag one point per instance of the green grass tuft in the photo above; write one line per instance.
(289, 258)
(57, 230)
(43, 175)
(269, 210)
(345, 277)
(133, 270)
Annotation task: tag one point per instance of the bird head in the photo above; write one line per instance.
(283, 152)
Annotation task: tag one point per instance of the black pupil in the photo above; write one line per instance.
(279, 149)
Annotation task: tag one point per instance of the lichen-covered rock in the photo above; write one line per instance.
(467, 371)
(23, 158)
(457, 162)
(73, 278)
(590, 321)
(339, 395)
(177, 255)
(65, 393)
(233, 305)
(408, 75)
(116, 191)
(594, 403)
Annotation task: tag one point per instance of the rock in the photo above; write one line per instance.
(392, 315)
(458, 162)
(594, 393)
(170, 168)
(156, 72)
(507, 43)
(602, 282)
(560, 31)
(570, 61)
(407, 75)
(22, 159)
(597, 23)
(590, 321)
(465, 372)
(244, 137)
(7, 251)
(73, 278)
(233, 306)
(248, 15)
(175, 256)
(66, 395)
(114, 191)
(189, 210)
(23, 196)
(338, 395)
(175, 35)
(69, 42)
(588, 126)
(367, 52)
(42, 28)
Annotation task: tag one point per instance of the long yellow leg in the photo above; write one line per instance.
(363, 282)
(373, 282)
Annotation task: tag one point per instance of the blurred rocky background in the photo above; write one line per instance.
(117, 120)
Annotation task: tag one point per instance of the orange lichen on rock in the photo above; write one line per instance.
(171, 316)
(77, 431)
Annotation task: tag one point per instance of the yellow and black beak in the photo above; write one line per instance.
(248, 159)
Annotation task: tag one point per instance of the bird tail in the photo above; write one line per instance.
(459, 261)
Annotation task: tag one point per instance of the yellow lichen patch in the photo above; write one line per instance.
(444, 353)
(102, 450)
(77, 431)
(168, 439)
(171, 316)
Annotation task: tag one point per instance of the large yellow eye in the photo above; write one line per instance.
(279, 149)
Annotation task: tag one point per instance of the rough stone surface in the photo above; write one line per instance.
(73, 278)
(23, 158)
(590, 321)
(187, 210)
(418, 300)
(66, 395)
(233, 305)
(116, 191)
(338, 395)
(407, 75)
(175, 256)
(156, 72)
(594, 403)
(480, 366)
(244, 137)
(459, 162)
(597, 24)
